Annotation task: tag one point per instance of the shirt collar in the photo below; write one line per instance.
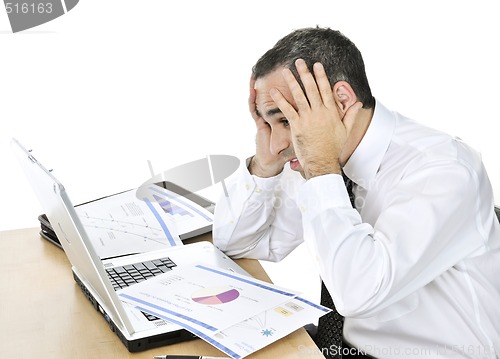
(366, 159)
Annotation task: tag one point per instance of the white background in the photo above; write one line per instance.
(114, 83)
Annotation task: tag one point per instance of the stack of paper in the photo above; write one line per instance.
(237, 314)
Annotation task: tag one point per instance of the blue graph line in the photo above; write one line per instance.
(162, 223)
(323, 309)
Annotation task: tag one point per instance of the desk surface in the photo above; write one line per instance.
(43, 313)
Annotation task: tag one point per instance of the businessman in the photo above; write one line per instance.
(413, 261)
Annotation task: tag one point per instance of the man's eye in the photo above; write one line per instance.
(285, 122)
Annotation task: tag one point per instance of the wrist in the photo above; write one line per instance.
(256, 169)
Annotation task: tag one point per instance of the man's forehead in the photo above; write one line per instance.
(275, 76)
(265, 104)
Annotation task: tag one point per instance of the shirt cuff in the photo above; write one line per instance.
(258, 187)
(323, 192)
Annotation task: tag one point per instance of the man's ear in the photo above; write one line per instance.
(344, 95)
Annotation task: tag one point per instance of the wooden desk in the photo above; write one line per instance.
(44, 315)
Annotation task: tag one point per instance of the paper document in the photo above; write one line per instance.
(123, 224)
(205, 298)
(259, 331)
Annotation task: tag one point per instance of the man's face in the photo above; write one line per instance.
(281, 137)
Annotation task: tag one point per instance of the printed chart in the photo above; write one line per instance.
(215, 295)
(171, 208)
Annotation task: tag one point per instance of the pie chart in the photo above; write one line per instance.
(215, 295)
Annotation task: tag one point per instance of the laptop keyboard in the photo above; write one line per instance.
(128, 275)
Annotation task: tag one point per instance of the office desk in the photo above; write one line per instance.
(44, 315)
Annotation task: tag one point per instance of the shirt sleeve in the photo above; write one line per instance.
(424, 228)
(259, 218)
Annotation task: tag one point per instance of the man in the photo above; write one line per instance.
(414, 265)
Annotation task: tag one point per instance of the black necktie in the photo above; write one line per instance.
(329, 335)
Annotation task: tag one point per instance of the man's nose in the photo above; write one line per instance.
(279, 141)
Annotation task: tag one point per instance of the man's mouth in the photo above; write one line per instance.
(294, 164)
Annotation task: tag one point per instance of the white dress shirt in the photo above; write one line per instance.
(415, 268)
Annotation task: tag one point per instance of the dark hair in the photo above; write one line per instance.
(340, 57)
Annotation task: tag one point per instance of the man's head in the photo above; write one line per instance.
(339, 56)
(344, 68)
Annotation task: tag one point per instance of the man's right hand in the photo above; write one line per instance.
(264, 163)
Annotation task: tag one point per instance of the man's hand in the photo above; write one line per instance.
(264, 163)
(319, 128)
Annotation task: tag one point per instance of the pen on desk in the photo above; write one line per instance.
(186, 357)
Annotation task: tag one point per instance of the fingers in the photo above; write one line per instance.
(311, 97)
(252, 80)
(318, 91)
(251, 98)
(252, 94)
(312, 94)
(298, 95)
(283, 104)
(325, 89)
(302, 100)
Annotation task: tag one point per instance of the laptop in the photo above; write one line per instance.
(100, 278)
